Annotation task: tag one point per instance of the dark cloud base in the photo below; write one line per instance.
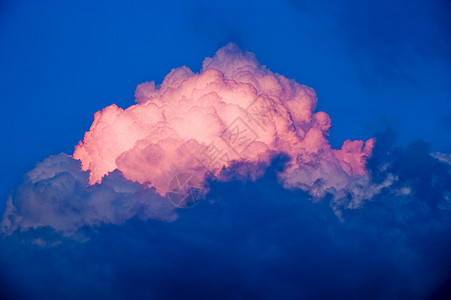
(257, 240)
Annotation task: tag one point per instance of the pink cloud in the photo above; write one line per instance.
(234, 109)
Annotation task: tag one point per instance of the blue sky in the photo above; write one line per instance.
(370, 64)
(373, 65)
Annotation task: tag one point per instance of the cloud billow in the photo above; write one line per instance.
(233, 111)
(283, 215)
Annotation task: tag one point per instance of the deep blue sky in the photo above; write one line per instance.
(373, 64)
(370, 64)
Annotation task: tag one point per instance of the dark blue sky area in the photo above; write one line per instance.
(254, 240)
(370, 63)
(380, 69)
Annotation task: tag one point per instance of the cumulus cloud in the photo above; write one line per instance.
(233, 109)
(56, 194)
